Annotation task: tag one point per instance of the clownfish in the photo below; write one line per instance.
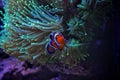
(57, 42)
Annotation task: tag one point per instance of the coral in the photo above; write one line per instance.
(12, 69)
(27, 25)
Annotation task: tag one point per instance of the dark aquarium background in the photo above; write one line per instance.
(102, 62)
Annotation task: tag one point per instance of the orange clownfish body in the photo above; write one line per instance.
(57, 42)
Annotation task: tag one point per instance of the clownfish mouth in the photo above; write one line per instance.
(57, 42)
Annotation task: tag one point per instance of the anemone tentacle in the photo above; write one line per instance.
(28, 23)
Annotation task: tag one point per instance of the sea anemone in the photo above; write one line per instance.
(28, 23)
